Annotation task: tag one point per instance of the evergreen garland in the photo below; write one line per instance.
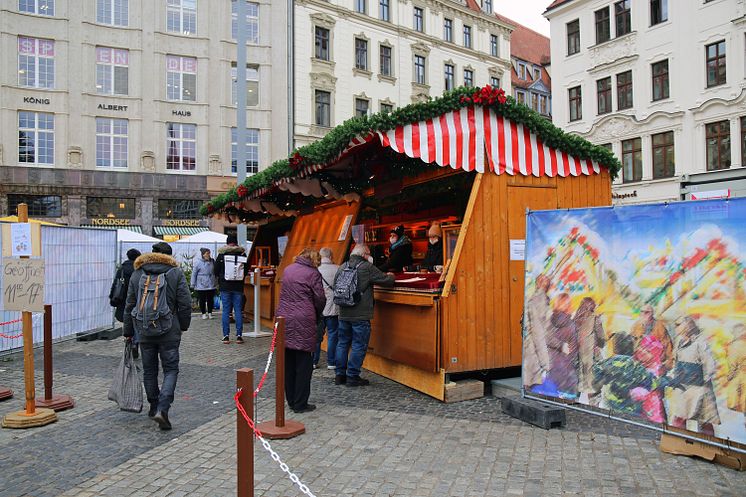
(328, 148)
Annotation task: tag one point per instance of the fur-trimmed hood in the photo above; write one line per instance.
(155, 259)
(231, 249)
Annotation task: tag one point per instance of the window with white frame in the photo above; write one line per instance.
(361, 54)
(181, 16)
(181, 78)
(111, 142)
(252, 21)
(35, 138)
(418, 22)
(40, 7)
(181, 147)
(361, 6)
(361, 107)
(385, 61)
(468, 77)
(467, 36)
(252, 85)
(494, 46)
(322, 37)
(383, 10)
(387, 108)
(112, 71)
(323, 108)
(495, 82)
(252, 151)
(113, 12)
(450, 79)
(487, 6)
(419, 70)
(35, 62)
(447, 29)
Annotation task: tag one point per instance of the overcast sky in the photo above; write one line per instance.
(526, 12)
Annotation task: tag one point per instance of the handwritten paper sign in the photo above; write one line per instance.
(23, 285)
(20, 239)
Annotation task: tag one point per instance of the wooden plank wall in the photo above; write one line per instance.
(477, 333)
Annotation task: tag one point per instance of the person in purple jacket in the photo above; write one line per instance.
(301, 301)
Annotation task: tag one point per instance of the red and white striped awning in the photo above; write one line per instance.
(475, 138)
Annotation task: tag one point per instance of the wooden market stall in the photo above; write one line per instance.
(472, 169)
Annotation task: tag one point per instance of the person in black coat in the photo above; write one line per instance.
(125, 271)
(434, 255)
(400, 252)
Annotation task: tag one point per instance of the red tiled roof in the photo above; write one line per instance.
(473, 5)
(528, 46)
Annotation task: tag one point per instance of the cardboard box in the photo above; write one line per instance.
(682, 446)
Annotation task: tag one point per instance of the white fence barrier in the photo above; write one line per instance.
(80, 265)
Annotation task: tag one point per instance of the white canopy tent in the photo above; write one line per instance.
(124, 235)
(205, 237)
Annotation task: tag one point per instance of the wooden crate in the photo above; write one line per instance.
(456, 391)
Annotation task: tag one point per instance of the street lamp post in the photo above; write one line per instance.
(241, 38)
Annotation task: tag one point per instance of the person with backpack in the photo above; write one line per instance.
(301, 300)
(330, 315)
(205, 282)
(231, 268)
(353, 293)
(158, 311)
(118, 292)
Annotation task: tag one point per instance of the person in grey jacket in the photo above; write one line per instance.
(165, 346)
(330, 315)
(205, 282)
(353, 333)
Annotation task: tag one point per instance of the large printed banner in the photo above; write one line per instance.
(641, 310)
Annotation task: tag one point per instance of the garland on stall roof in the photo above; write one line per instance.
(327, 149)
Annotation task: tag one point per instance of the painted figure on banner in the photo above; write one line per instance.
(694, 372)
(648, 325)
(591, 341)
(736, 379)
(563, 348)
(645, 315)
(537, 313)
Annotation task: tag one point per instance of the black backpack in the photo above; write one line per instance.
(346, 293)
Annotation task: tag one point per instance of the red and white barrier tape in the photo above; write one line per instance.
(275, 456)
(10, 337)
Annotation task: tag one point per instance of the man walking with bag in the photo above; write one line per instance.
(230, 268)
(159, 308)
(353, 292)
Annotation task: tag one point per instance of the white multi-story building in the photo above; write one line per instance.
(121, 112)
(662, 83)
(356, 57)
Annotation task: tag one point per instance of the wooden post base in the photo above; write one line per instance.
(273, 432)
(56, 403)
(5, 393)
(22, 420)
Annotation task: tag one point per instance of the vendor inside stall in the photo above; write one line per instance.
(400, 251)
(434, 256)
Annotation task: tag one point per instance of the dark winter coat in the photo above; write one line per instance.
(367, 276)
(399, 257)
(178, 295)
(125, 271)
(229, 286)
(433, 256)
(301, 301)
(563, 367)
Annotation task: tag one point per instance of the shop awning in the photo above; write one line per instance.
(178, 230)
(131, 227)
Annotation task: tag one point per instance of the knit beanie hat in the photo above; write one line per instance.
(133, 254)
(162, 248)
(398, 231)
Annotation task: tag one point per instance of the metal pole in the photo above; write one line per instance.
(257, 300)
(244, 434)
(48, 376)
(291, 75)
(241, 38)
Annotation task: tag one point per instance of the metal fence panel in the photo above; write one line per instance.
(79, 265)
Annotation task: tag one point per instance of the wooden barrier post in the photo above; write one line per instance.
(280, 428)
(31, 416)
(51, 401)
(244, 434)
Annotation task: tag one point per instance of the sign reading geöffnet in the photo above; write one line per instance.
(23, 284)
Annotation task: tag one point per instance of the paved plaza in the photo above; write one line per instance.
(384, 440)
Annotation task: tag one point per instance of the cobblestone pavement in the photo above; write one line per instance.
(382, 440)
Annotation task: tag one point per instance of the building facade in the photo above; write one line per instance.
(531, 61)
(355, 57)
(663, 85)
(122, 112)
